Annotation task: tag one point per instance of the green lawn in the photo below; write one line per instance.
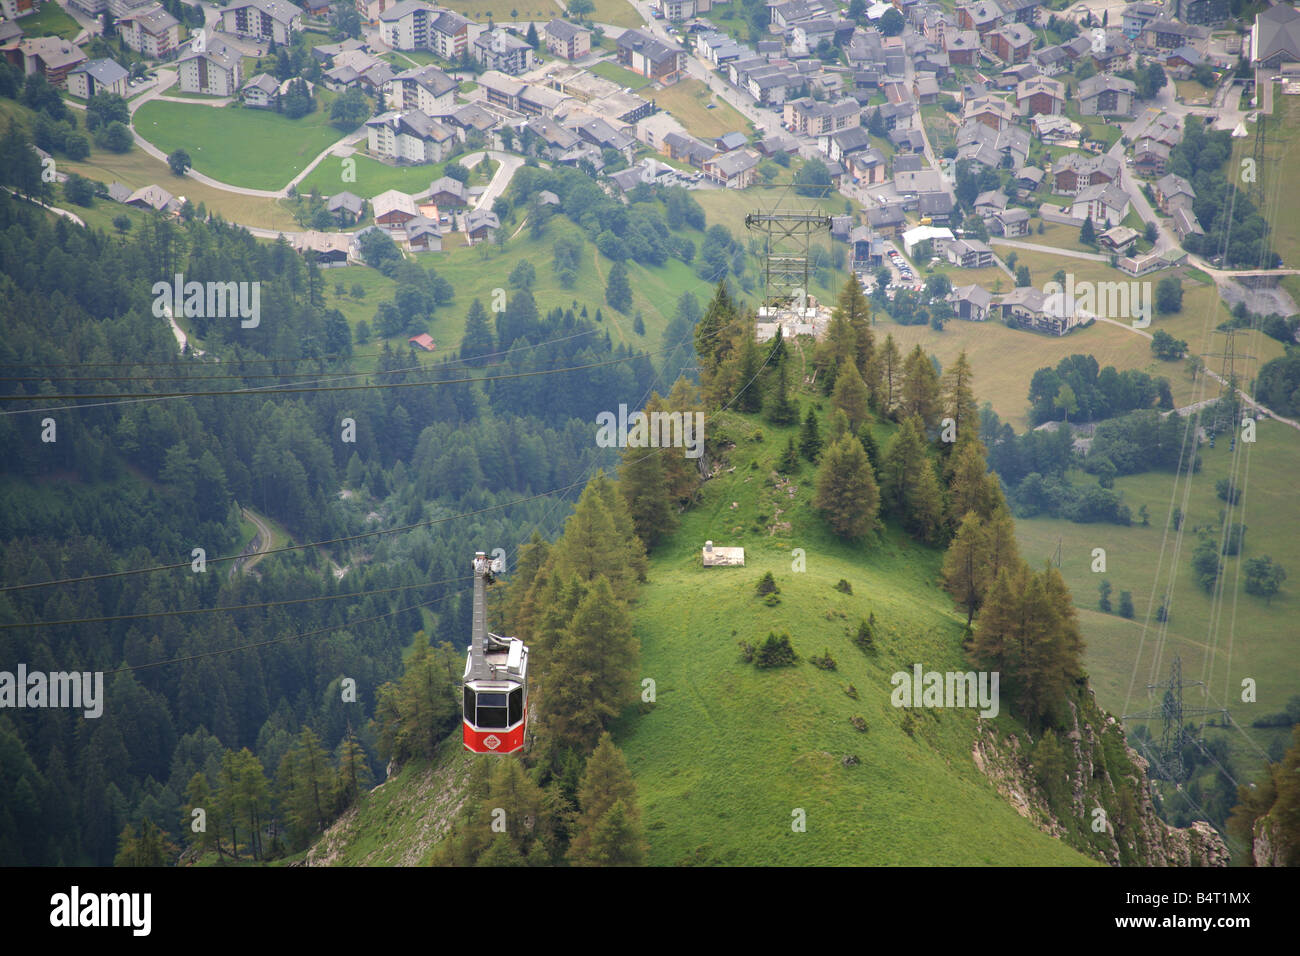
(688, 101)
(373, 177)
(51, 20)
(258, 149)
(1280, 204)
(620, 75)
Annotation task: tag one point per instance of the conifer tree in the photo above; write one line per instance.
(479, 340)
(600, 539)
(708, 331)
(645, 489)
(780, 409)
(789, 461)
(591, 676)
(810, 440)
(971, 487)
(965, 565)
(750, 395)
(890, 375)
(905, 458)
(959, 397)
(850, 396)
(618, 290)
(681, 474)
(869, 446)
(354, 776)
(920, 391)
(198, 796)
(847, 495)
(608, 829)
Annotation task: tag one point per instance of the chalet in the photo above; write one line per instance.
(969, 254)
(963, 47)
(1010, 223)
(734, 170)
(1106, 95)
(1075, 171)
(840, 145)
(215, 70)
(971, 302)
(448, 193)
(422, 234)
(481, 225)
(908, 162)
(1010, 43)
(990, 111)
(325, 249)
(501, 89)
(1137, 16)
(273, 20)
(982, 17)
(1028, 180)
(867, 166)
(97, 76)
(567, 40)
(907, 140)
(1103, 203)
(153, 198)
(261, 91)
(1040, 96)
(925, 88)
(887, 221)
(687, 149)
(989, 204)
(347, 208)
(423, 341)
(1173, 192)
(1118, 239)
(393, 209)
(51, 57)
(1019, 11)
(1050, 60)
(1185, 222)
(150, 31)
(1028, 308)
(937, 207)
(1013, 76)
(1165, 33)
(1150, 157)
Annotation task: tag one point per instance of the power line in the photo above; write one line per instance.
(228, 607)
(298, 389)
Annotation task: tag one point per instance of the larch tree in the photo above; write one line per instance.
(847, 495)
(592, 672)
(600, 539)
(608, 829)
(905, 457)
(890, 375)
(920, 391)
(850, 396)
(708, 331)
(645, 489)
(959, 397)
(965, 565)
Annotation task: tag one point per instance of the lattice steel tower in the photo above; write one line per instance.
(787, 265)
(1171, 713)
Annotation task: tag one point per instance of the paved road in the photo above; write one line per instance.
(66, 214)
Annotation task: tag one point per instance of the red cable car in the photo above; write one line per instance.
(495, 705)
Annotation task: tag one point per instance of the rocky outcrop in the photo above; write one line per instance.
(1104, 807)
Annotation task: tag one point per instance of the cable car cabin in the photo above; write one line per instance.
(495, 703)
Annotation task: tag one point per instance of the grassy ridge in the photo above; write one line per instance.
(728, 752)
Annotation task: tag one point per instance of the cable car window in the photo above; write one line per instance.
(469, 704)
(516, 705)
(491, 711)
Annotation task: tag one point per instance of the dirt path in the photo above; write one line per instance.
(261, 542)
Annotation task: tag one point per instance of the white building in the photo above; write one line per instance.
(97, 76)
(410, 137)
(276, 20)
(150, 31)
(215, 70)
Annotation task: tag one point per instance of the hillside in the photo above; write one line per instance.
(727, 754)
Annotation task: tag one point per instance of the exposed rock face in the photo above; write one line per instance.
(1105, 810)
(1264, 848)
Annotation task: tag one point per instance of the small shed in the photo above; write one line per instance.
(424, 340)
(715, 557)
